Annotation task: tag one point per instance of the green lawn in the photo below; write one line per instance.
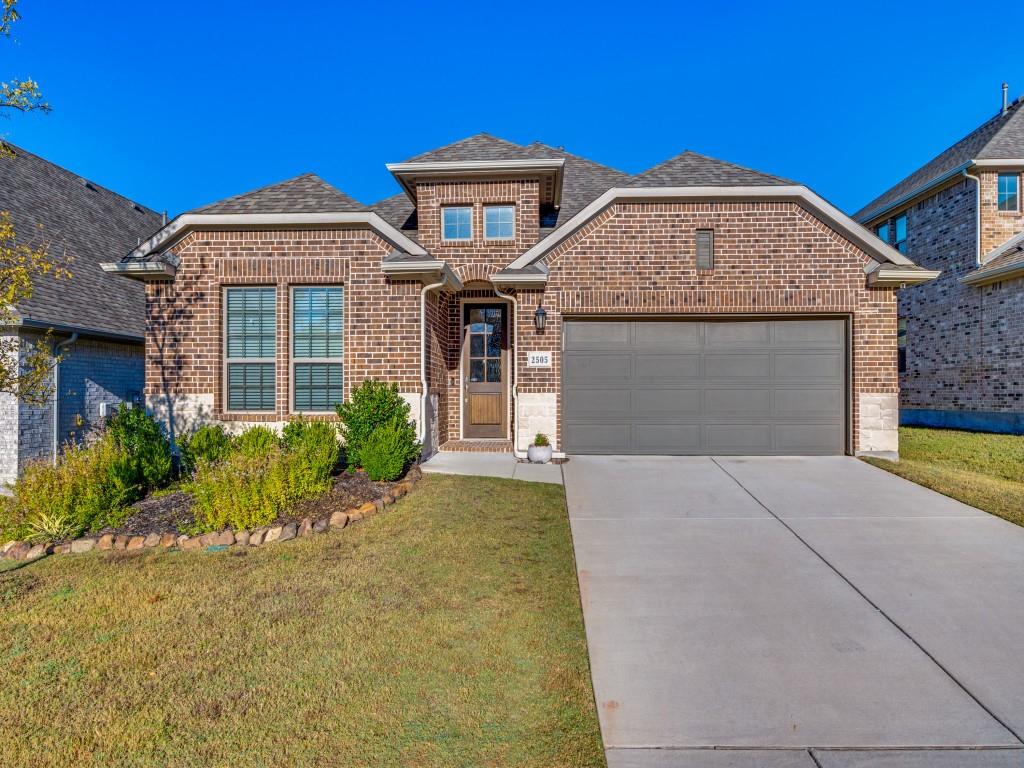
(983, 470)
(445, 632)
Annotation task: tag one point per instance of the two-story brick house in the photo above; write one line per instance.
(961, 336)
(698, 307)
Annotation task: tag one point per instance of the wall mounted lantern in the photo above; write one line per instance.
(540, 317)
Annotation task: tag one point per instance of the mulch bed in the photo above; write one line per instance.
(169, 512)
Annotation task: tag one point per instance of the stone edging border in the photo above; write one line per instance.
(24, 550)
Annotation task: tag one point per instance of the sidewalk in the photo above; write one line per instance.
(491, 465)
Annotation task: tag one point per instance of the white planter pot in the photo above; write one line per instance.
(539, 454)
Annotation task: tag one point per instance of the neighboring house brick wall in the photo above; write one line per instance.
(996, 226)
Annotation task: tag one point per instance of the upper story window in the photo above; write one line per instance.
(900, 224)
(457, 223)
(882, 230)
(249, 347)
(1009, 192)
(499, 222)
(317, 347)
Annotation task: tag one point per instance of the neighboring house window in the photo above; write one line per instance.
(499, 222)
(249, 344)
(1009, 192)
(901, 344)
(882, 230)
(457, 223)
(901, 233)
(317, 346)
(705, 249)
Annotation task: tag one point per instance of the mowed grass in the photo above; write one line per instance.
(445, 632)
(983, 470)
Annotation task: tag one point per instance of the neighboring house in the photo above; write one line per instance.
(962, 336)
(100, 321)
(698, 307)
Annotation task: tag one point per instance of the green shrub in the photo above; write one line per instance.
(375, 404)
(245, 490)
(90, 488)
(256, 441)
(208, 444)
(386, 452)
(541, 440)
(316, 449)
(146, 461)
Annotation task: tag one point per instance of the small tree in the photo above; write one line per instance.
(27, 376)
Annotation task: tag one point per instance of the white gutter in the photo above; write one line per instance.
(515, 371)
(189, 221)
(424, 394)
(915, 192)
(146, 271)
(793, 193)
(994, 275)
(977, 217)
(56, 392)
(404, 172)
(1009, 162)
(886, 277)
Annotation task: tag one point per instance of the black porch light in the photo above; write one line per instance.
(539, 318)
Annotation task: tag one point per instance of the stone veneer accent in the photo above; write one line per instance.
(879, 423)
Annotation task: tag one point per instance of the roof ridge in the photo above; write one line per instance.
(307, 175)
(701, 156)
(69, 172)
(463, 140)
(585, 159)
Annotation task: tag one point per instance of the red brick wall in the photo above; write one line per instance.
(996, 226)
(184, 318)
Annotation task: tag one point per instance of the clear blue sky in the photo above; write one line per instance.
(180, 103)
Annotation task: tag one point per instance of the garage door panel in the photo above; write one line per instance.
(668, 335)
(747, 401)
(598, 367)
(705, 387)
(737, 366)
(667, 438)
(666, 367)
(658, 402)
(808, 365)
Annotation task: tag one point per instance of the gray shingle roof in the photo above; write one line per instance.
(90, 225)
(690, 169)
(307, 193)
(481, 146)
(999, 138)
(1006, 255)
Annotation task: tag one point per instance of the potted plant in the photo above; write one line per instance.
(540, 451)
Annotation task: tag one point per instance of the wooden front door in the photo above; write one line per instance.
(484, 370)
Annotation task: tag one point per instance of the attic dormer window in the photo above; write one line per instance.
(457, 223)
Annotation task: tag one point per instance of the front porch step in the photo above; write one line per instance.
(478, 446)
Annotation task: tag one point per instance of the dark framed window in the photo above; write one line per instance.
(882, 230)
(901, 344)
(705, 249)
(900, 225)
(250, 343)
(318, 335)
(457, 222)
(499, 222)
(1009, 192)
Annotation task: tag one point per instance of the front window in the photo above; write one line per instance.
(250, 329)
(457, 223)
(883, 232)
(901, 344)
(499, 222)
(901, 233)
(1009, 192)
(317, 347)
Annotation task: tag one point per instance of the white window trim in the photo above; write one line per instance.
(494, 206)
(292, 359)
(446, 239)
(1015, 209)
(228, 361)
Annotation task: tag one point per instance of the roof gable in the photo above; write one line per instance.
(480, 146)
(690, 169)
(88, 223)
(307, 193)
(1001, 137)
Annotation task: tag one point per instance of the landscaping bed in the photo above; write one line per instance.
(446, 632)
(981, 469)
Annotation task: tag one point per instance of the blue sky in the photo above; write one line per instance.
(180, 103)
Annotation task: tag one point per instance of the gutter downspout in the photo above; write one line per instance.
(56, 392)
(977, 215)
(424, 394)
(515, 368)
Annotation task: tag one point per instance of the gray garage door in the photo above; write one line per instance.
(697, 387)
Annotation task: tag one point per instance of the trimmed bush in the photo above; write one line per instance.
(146, 451)
(386, 452)
(316, 448)
(375, 404)
(207, 445)
(256, 442)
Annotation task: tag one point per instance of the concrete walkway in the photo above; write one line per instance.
(793, 612)
(491, 465)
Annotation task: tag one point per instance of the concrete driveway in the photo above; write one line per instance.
(793, 612)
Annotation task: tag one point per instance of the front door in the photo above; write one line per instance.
(484, 368)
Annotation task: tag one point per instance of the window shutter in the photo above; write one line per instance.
(705, 249)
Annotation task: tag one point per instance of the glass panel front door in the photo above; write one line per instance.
(485, 351)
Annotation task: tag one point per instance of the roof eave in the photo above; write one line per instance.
(799, 194)
(986, 277)
(144, 271)
(900, 278)
(426, 271)
(407, 173)
(915, 193)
